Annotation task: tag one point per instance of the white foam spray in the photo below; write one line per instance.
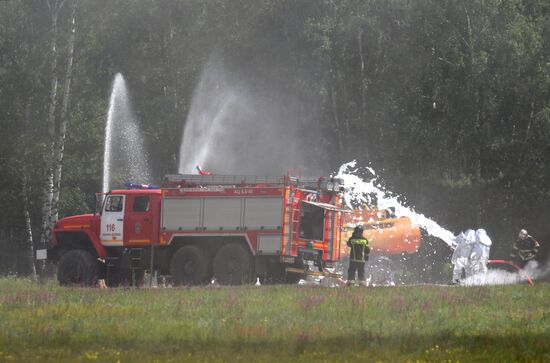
(124, 157)
(358, 191)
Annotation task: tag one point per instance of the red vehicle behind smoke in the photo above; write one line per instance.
(198, 227)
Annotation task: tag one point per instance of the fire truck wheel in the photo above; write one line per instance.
(190, 266)
(77, 267)
(233, 265)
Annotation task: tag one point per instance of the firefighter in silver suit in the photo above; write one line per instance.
(461, 254)
(480, 253)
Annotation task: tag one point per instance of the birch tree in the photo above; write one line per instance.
(62, 132)
(47, 191)
(28, 242)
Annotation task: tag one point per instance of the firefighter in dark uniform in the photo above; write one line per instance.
(525, 249)
(358, 255)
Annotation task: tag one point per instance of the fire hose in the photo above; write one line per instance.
(520, 271)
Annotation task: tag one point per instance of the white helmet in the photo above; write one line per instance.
(482, 237)
(523, 234)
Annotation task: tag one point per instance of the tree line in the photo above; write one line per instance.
(447, 100)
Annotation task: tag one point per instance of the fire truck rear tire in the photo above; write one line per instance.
(77, 267)
(190, 266)
(233, 265)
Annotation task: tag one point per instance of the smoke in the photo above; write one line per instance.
(532, 270)
(494, 277)
(234, 127)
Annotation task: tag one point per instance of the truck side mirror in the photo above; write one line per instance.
(99, 198)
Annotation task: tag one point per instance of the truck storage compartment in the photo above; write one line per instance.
(222, 213)
(181, 214)
(263, 213)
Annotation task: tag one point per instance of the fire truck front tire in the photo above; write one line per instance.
(190, 266)
(233, 265)
(77, 267)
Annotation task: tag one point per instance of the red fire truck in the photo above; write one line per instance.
(198, 227)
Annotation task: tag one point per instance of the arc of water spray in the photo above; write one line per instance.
(124, 150)
(204, 138)
(109, 134)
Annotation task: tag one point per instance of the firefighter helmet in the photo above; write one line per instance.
(523, 234)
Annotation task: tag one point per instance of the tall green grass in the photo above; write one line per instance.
(47, 323)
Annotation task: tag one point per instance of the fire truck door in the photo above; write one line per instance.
(112, 221)
(137, 224)
(327, 228)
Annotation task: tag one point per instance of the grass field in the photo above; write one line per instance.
(47, 323)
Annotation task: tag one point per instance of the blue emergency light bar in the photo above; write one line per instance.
(131, 185)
